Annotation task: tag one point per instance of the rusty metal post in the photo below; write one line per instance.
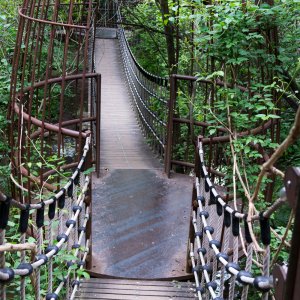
(170, 124)
(88, 203)
(98, 124)
(292, 185)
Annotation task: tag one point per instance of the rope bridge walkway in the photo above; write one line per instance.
(147, 212)
(141, 230)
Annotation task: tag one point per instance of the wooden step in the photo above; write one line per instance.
(123, 289)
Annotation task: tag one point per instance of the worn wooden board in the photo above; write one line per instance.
(141, 224)
(102, 288)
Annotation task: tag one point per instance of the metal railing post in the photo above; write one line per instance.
(287, 278)
(98, 124)
(292, 185)
(170, 125)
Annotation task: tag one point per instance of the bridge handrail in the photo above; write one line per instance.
(147, 91)
(220, 137)
(163, 81)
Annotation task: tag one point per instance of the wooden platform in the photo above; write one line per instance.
(132, 289)
(140, 224)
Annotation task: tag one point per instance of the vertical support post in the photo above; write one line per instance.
(170, 125)
(98, 124)
(292, 185)
(88, 204)
(194, 206)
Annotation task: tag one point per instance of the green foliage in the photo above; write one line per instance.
(233, 43)
(8, 25)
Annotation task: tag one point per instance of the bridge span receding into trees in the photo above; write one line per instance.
(139, 215)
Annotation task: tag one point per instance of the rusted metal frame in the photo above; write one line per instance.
(51, 127)
(22, 14)
(35, 180)
(47, 76)
(33, 45)
(210, 141)
(33, 79)
(85, 64)
(292, 185)
(25, 143)
(197, 123)
(226, 138)
(171, 120)
(41, 34)
(58, 80)
(63, 83)
(98, 124)
(13, 88)
(37, 133)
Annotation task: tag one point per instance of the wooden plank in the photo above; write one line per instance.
(157, 283)
(136, 292)
(140, 287)
(103, 288)
(127, 297)
(127, 286)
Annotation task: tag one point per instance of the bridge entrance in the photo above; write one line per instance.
(135, 225)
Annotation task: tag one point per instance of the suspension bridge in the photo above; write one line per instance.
(139, 228)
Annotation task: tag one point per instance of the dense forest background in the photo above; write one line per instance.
(252, 47)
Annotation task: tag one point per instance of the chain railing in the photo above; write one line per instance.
(149, 92)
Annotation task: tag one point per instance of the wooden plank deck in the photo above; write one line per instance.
(140, 219)
(102, 288)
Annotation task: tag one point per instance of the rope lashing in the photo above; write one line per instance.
(51, 250)
(24, 218)
(265, 229)
(76, 282)
(40, 216)
(71, 263)
(209, 187)
(4, 212)
(262, 283)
